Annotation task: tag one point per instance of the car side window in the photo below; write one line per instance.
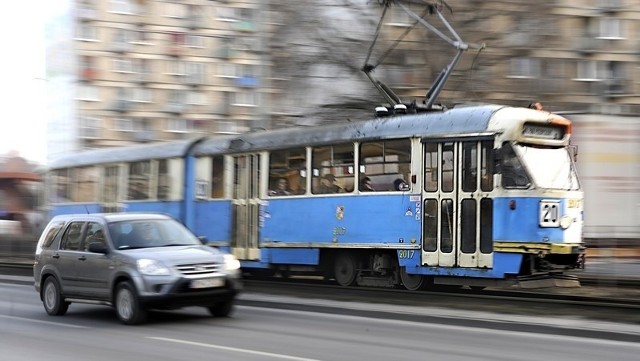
(72, 238)
(95, 234)
(52, 233)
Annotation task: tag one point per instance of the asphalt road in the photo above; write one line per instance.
(306, 331)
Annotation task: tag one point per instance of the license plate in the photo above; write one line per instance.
(207, 283)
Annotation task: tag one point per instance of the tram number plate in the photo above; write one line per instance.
(207, 283)
(549, 213)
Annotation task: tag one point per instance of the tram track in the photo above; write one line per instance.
(584, 302)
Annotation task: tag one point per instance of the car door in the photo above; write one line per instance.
(67, 256)
(93, 269)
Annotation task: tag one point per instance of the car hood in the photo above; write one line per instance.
(178, 255)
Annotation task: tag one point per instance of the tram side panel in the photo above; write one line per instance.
(294, 229)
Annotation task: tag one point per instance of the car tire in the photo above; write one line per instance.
(52, 299)
(221, 309)
(127, 305)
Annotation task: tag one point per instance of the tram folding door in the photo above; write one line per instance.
(246, 206)
(458, 209)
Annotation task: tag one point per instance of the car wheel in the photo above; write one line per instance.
(128, 306)
(221, 309)
(52, 299)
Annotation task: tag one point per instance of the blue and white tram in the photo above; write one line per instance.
(473, 195)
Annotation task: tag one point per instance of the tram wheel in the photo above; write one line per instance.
(412, 282)
(345, 269)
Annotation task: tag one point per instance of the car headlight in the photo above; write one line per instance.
(152, 268)
(231, 262)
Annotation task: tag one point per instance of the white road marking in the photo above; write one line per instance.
(42, 322)
(233, 349)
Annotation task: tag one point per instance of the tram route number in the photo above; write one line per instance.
(406, 253)
(549, 213)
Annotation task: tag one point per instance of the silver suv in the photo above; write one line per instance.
(133, 262)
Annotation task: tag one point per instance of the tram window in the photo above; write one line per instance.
(85, 183)
(430, 226)
(110, 185)
(139, 176)
(333, 169)
(431, 167)
(486, 166)
(469, 166)
(385, 161)
(164, 180)
(217, 176)
(61, 179)
(447, 167)
(468, 226)
(446, 226)
(513, 173)
(486, 225)
(287, 172)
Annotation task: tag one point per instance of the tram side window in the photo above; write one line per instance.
(287, 172)
(333, 169)
(431, 167)
(217, 177)
(447, 167)
(62, 185)
(139, 180)
(469, 166)
(85, 183)
(431, 216)
(110, 185)
(386, 163)
(164, 180)
(513, 173)
(486, 166)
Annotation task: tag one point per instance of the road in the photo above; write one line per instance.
(90, 332)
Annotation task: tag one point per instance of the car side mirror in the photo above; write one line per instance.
(203, 240)
(98, 247)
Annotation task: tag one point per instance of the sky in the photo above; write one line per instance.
(22, 95)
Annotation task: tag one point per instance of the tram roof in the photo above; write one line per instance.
(130, 153)
(459, 120)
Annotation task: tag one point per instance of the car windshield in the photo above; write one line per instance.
(550, 168)
(150, 233)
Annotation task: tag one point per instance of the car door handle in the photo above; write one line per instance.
(82, 258)
(56, 256)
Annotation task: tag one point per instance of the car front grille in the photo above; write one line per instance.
(199, 269)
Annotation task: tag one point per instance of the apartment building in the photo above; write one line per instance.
(124, 71)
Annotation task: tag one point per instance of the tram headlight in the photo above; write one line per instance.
(565, 222)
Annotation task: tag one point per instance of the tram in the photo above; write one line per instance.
(488, 193)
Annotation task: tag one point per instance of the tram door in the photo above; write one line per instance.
(246, 206)
(457, 224)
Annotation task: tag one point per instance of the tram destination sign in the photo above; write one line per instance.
(543, 131)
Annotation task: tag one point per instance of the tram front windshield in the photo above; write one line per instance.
(549, 168)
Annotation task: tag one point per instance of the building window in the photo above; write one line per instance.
(173, 10)
(124, 124)
(194, 41)
(610, 28)
(141, 95)
(121, 6)
(122, 65)
(88, 92)
(245, 98)
(177, 125)
(196, 98)
(588, 70)
(86, 31)
(90, 127)
(525, 67)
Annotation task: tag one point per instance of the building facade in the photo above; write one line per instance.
(125, 71)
